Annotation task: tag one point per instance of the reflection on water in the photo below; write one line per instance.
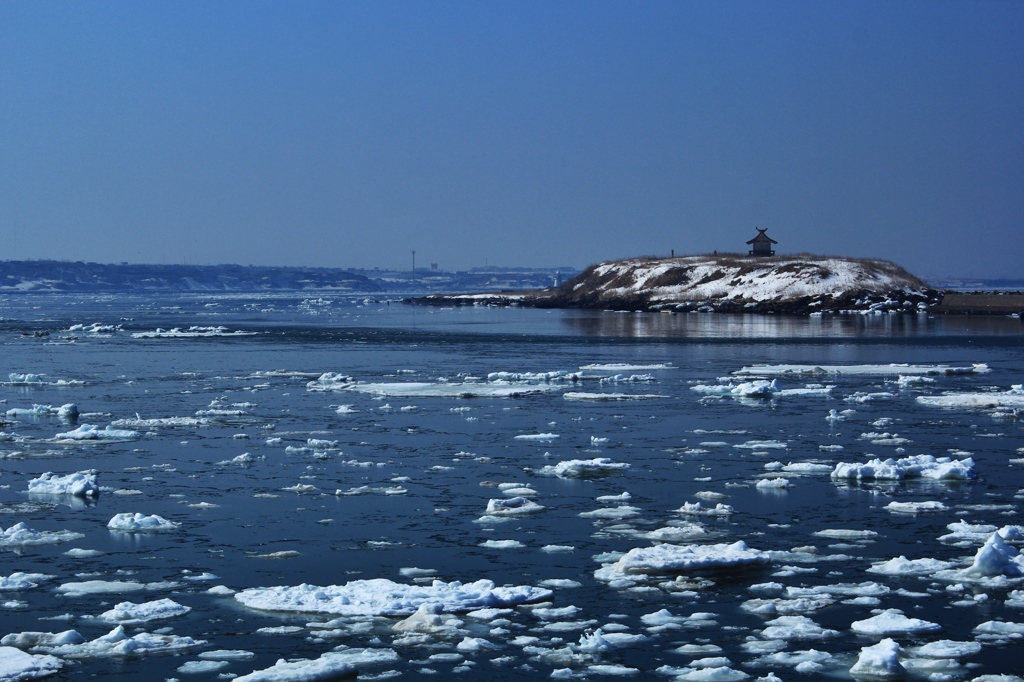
(717, 325)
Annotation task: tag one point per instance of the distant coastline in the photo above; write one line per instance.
(50, 276)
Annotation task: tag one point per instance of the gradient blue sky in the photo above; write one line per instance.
(511, 133)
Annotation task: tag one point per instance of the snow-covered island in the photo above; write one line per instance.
(799, 284)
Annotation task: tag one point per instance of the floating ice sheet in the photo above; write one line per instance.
(329, 666)
(191, 333)
(863, 370)
(381, 597)
(1013, 398)
(90, 432)
(414, 389)
(624, 367)
(671, 559)
(609, 397)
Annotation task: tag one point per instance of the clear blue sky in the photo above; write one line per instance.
(513, 133)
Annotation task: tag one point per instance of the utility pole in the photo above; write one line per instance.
(414, 260)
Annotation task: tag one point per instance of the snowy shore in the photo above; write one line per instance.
(802, 284)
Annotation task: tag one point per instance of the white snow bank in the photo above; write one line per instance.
(862, 370)
(140, 523)
(90, 432)
(81, 484)
(383, 597)
(585, 468)
(916, 466)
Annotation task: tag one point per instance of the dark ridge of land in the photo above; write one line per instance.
(64, 276)
(982, 303)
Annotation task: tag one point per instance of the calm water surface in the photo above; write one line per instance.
(449, 454)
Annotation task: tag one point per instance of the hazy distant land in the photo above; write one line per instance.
(49, 276)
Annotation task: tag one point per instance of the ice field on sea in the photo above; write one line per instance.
(291, 488)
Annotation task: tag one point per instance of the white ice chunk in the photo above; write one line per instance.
(128, 613)
(140, 523)
(893, 622)
(796, 628)
(696, 509)
(880, 660)
(90, 432)
(995, 558)
(772, 484)
(20, 535)
(18, 581)
(117, 643)
(81, 484)
(585, 468)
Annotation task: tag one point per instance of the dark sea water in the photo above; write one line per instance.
(448, 455)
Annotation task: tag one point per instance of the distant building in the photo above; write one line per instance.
(761, 245)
